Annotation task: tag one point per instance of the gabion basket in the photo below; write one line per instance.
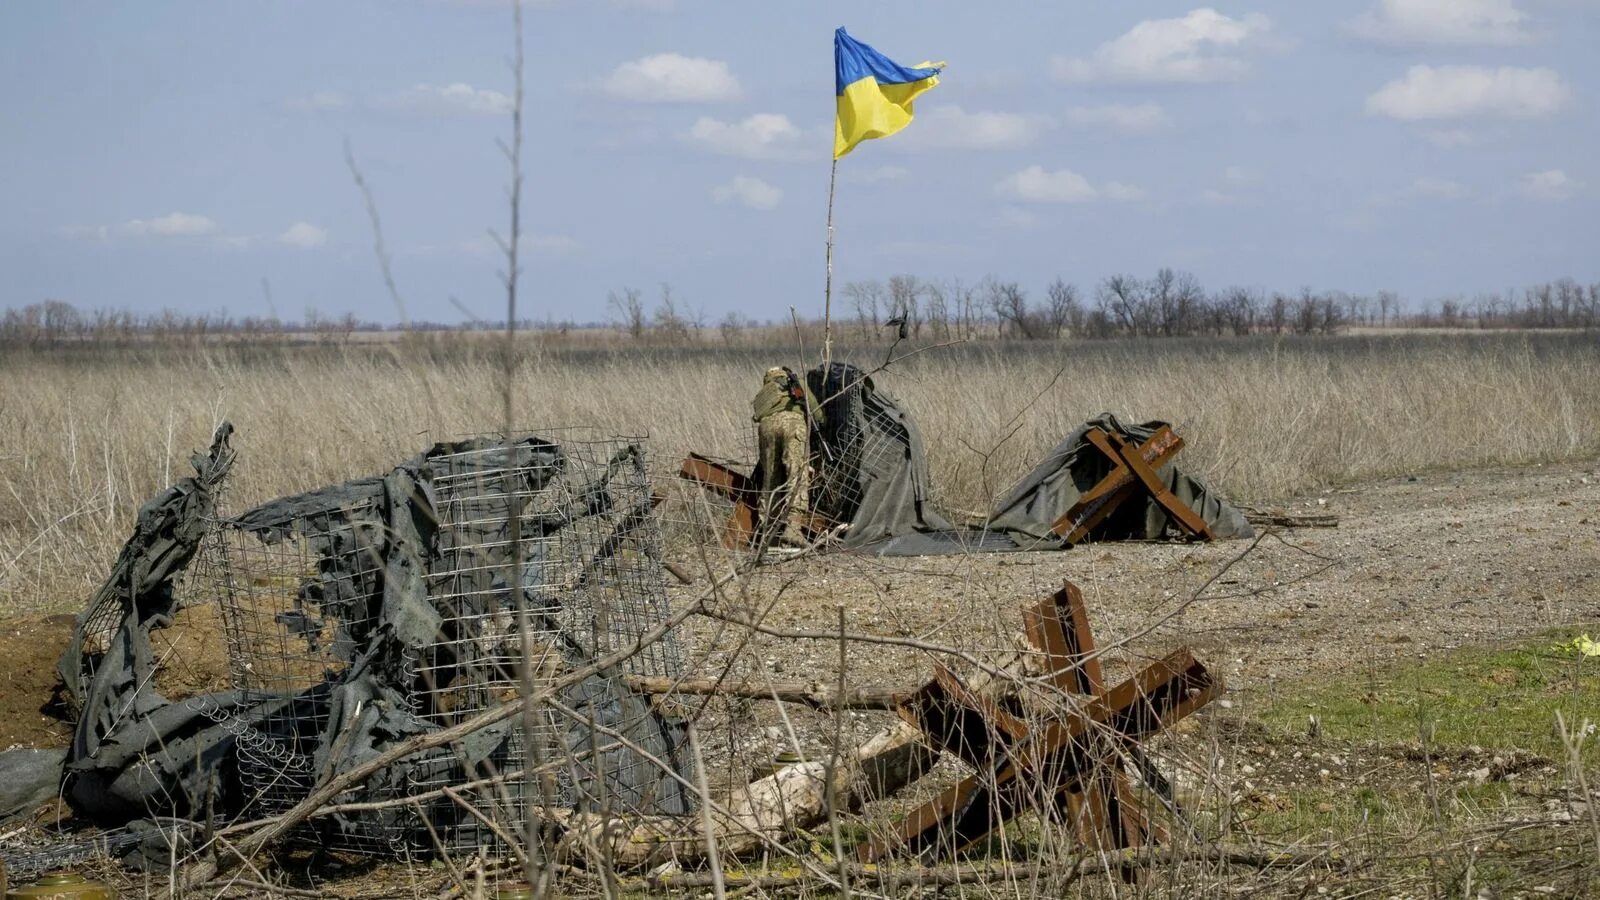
(545, 549)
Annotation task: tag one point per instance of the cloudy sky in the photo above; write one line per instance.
(191, 154)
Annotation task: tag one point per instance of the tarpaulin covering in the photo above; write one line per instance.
(367, 601)
(874, 473)
(874, 476)
(134, 752)
(1044, 495)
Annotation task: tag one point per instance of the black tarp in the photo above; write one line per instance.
(137, 754)
(134, 752)
(873, 471)
(873, 474)
(1035, 503)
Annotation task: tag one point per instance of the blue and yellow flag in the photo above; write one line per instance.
(875, 92)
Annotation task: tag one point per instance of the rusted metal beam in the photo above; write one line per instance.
(740, 530)
(1070, 755)
(1132, 469)
(1187, 519)
(1117, 486)
(742, 526)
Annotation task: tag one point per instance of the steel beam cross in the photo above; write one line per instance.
(1054, 746)
(1133, 472)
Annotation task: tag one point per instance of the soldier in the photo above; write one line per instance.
(784, 412)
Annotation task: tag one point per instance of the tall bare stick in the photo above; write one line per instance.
(378, 246)
(827, 285)
(538, 846)
(833, 768)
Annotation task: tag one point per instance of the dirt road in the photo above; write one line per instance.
(1417, 564)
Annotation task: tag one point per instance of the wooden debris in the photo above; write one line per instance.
(795, 797)
(815, 694)
(1285, 519)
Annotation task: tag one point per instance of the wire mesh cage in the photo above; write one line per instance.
(855, 442)
(388, 607)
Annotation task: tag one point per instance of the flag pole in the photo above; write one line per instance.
(827, 285)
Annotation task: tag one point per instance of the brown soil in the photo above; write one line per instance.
(193, 654)
(1417, 564)
(29, 649)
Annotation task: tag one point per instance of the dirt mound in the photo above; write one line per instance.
(193, 655)
(29, 649)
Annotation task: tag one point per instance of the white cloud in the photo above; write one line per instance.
(1035, 184)
(448, 100)
(303, 235)
(1491, 22)
(320, 101)
(746, 191)
(85, 232)
(1551, 185)
(1454, 92)
(953, 127)
(1435, 188)
(875, 176)
(761, 136)
(1137, 118)
(174, 224)
(673, 78)
(1448, 138)
(1237, 180)
(1203, 46)
(1122, 193)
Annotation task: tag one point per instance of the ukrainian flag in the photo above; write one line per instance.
(874, 92)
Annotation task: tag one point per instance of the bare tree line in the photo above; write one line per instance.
(1174, 304)
(1170, 303)
(1563, 303)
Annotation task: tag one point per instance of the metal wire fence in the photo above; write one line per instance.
(553, 542)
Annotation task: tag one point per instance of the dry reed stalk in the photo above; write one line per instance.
(1263, 420)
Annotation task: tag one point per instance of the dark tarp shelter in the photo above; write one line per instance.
(873, 474)
(1074, 465)
(873, 471)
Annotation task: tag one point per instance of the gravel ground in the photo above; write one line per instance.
(1417, 564)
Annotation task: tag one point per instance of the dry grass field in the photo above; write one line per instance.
(1423, 635)
(88, 436)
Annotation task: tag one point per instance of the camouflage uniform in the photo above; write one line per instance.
(782, 427)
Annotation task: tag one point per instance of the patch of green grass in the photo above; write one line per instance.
(1503, 698)
(1334, 813)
